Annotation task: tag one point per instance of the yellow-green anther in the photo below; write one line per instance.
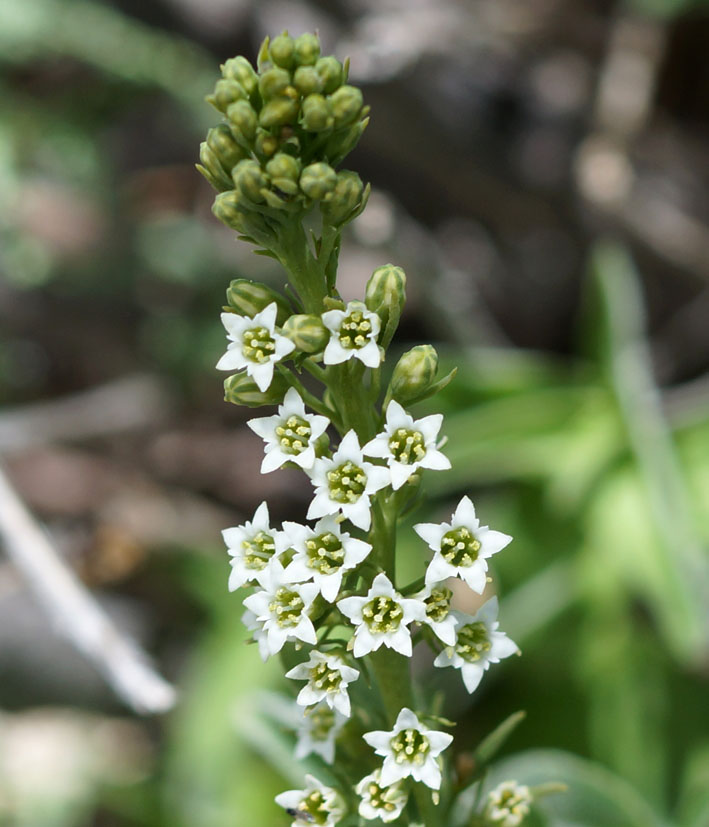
(382, 615)
(407, 446)
(354, 330)
(240, 389)
(322, 677)
(225, 93)
(438, 604)
(325, 553)
(250, 180)
(346, 104)
(346, 483)
(306, 49)
(316, 114)
(414, 373)
(281, 50)
(473, 642)
(307, 332)
(345, 198)
(307, 80)
(330, 70)
(273, 83)
(258, 550)
(293, 435)
(243, 119)
(212, 169)
(318, 180)
(239, 69)
(459, 547)
(258, 345)
(410, 746)
(221, 141)
(251, 297)
(287, 606)
(279, 112)
(386, 292)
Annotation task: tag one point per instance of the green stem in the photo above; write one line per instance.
(310, 399)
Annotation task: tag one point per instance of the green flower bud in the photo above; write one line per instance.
(225, 93)
(318, 180)
(307, 81)
(250, 180)
(279, 112)
(344, 141)
(250, 297)
(265, 144)
(240, 389)
(243, 119)
(221, 141)
(346, 104)
(284, 171)
(282, 50)
(273, 83)
(308, 333)
(386, 292)
(330, 70)
(239, 69)
(227, 209)
(212, 169)
(307, 49)
(414, 374)
(316, 114)
(346, 196)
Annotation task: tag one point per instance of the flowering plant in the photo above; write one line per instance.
(325, 597)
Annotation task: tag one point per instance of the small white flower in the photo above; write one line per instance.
(254, 345)
(316, 804)
(353, 334)
(382, 617)
(290, 435)
(251, 546)
(378, 801)
(462, 547)
(318, 732)
(327, 679)
(409, 750)
(478, 644)
(407, 444)
(508, 804)
(439, 616)
(324, 554)
(345, 483)
(281, 608)
(257, 633)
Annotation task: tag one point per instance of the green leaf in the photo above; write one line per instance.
(492, 743)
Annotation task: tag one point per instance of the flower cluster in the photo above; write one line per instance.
(323, 593)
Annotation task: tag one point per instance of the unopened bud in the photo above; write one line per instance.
(344, 141)
(212, 169)
(226, 92)
(307, 49)
(227, 209)
(251, 297)
(281, 50)
(308, 333)
(414, 374)
(273, 83)
(284, 171)
(307, 80)
(240, 389)
(221, 141)
(243, 119)
(330, 70)
(265, 144)
(239, 69)
(250, 180)
(316, 114)
(386, 293)
(318, 180)
(346, 196)
(346, 104)
(279, 112)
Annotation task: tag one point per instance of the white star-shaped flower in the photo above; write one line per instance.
(478, 644)
(281, 608)
(353, 335)
(252, 546)
(290, 435)
(318, 732)
(323, 554)
(437, 599)
(409, 750)
(407, 444)
(462, 547)
(378, 801)
(508, 804)
(345, 483)
(254, 345)
(382, 617)
(316, 804)
(327, 679)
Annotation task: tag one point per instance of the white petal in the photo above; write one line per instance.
(277, 637)
(297, 571)
(432, 533)
(365, 642)
(502, 646)
(381, 587)
(492, 541)
(435, 460)
(308, 695)
(391, 772)
(234, 537)
(332, 319)
(359, 513)
(355, 551)
(321, 505)
(429, 426)
(439, 569)
(233, 359)
(378, 477)
(438, 741)
(318, 425)
(335, 354)
(234, 324)
(305, 630)
(261, 519)
(464, 515)
(261, 374)
(397, 417)
(290, 799)
(283, 347)
(379, 740)
(330, 586)
(406, 719)
(352, 607)
(488, 611)
(369, 354)
(445, 630)
(429, 774)
(377, 447)
(400, 641)
(265, 426)
(267, 317)
(349, 449)
(472, 675)
(273, 459)
(399, 474)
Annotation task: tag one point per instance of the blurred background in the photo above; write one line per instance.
(540, 170)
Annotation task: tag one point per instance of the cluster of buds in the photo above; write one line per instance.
(288, 124)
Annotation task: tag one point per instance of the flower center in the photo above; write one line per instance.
(258, 550)
(473, 641)
(382, 615)
(325, 678)
(322, 720)
(287, 606)
(293, 434)
(325, 553)
(508, 806)
(459, 547)
(346, 482)
(313, 808)
(407, 446)
(438, 604)
(355, 331)
(410, 746)
(380, 798)
(258, 345)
